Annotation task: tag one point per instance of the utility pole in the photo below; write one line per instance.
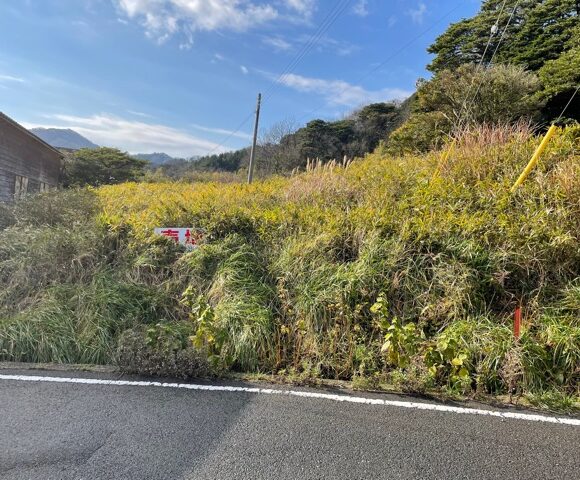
(253, 152)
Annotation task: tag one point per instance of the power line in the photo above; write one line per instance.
(568, 104)
(494, 52)
(328, 21)
(394, 55)
(231, 134)
(308, 45)
(505, 30)
(459, 122)
(493, 31)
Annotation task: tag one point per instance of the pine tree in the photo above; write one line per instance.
(540, 30)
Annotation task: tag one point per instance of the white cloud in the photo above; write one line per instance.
(361, 8)
(304, 7)
(187, 42)
(244, 69)
(392, 21)
(277, 42)
(132, 136)
(217, 58)
(165, 18)
(339, 92)
(139, 114)
(10, 78)
(418, 14)
(222, 131)
(322, 44)
(340, 47)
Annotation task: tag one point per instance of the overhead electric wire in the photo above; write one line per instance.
(328, 21)
(568, 104)
(392, 56)
(494, 52)
(466, 101)
(231, 134)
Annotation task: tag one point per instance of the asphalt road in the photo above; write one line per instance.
(77, 431)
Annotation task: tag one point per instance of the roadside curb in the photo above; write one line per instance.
(59, 367)
(346, 387)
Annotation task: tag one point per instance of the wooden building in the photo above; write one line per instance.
(27, 163)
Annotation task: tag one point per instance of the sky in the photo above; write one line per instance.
(182, 76)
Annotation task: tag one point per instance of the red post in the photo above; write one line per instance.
(517, 322)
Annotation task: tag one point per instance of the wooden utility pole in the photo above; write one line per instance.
(253, 152)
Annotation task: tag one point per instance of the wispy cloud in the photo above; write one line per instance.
(340, 47)
(361, 8)
(10, 78)
(162, 19)
(305, 8)
(418, 14)
(139, 114)
(132, 136)
(222, 131)
(244, 69)
(341, 93)
(278, 43)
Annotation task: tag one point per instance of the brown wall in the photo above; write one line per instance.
(21, 154)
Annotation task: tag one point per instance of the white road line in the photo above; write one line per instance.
(295, 393)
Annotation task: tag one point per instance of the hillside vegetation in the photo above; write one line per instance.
(376, 271)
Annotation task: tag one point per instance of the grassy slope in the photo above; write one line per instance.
(293, 266)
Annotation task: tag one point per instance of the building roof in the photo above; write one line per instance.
(30, 134)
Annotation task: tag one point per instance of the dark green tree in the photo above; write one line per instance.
(539, 31)
(374, 123)
(227, 161)
(560, 78)
(324, 140)
(101, 166)
(285, 147)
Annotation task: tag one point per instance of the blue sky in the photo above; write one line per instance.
(179, 76)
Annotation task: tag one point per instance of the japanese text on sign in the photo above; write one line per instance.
(189, 237)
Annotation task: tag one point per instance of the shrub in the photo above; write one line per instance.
(468, 95)
(161, 350)
(496, 94)
(66, 208)
(421, 133)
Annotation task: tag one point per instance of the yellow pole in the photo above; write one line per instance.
(444, 159)
(535, 158)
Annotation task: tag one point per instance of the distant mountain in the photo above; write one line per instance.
(155, 158)
(63, 138)
(161, 158)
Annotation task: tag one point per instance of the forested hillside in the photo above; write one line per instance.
(284, 148)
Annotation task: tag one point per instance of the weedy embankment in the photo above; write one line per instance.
(377, 271)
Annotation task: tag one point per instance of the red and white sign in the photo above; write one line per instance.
(189, 237)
